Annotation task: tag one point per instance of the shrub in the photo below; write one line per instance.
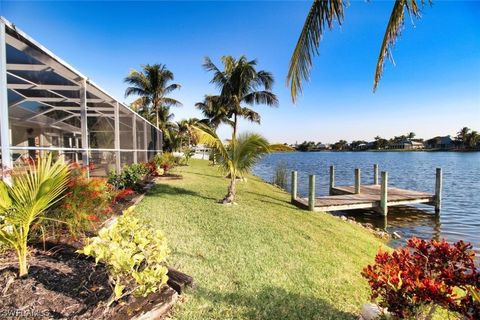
(130, 177)
(426, 273)
(165, 160)
(280, 176)
(134, 254)
(122, 194)
(188, 154)
(25, 201)
(86, 202)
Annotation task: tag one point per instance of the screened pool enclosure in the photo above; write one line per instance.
(48, 106)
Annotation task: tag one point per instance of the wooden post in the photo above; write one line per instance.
(438, 190)
(384, 194)
(332, 179)
(294, 185)
(311, 192)
(357, 181)
(375, 174)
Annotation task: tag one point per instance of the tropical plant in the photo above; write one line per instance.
(214, 112)
(86, 201)
(186, 132)
(130, 177)
(165, 160)
(323, 14)
(152, 85)
(424, 275)
(237, 157)
(26, 200)
(241, 84)
(134, 253)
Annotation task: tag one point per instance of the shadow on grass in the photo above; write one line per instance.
(166, 189)
(273, 303)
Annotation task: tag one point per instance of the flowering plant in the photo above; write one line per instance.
(426, 273)
(86, 201)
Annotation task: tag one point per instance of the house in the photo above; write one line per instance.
(407, 144)
(443, 143)
(46, 105)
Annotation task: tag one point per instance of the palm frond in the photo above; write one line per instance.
(322, 13)
(261, 97)
(393, 31)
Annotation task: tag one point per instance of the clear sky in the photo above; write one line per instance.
(434, 88)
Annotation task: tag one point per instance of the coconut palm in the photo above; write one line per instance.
(241, 84)
(462, 136)
(237, 157)
(186, 130)
(472, 139)
(323, 14)
(24, 202)
(152, 85)
(213, 111)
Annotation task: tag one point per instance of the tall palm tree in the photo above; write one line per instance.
(241, 84)
(472, 139)
(323, 14)
(462, 136)
(237, 157)
(152, 85)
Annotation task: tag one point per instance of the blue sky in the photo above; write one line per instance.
(433, 89)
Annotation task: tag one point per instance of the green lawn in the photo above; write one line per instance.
(262, 258)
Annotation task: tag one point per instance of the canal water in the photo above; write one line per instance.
(460, 215)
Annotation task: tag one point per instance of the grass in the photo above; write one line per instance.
(262, 258)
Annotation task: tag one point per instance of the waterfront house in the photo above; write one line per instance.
(407, 144)
(46, 105)
(443, 143)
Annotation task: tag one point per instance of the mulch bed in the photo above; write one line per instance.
(65, 285)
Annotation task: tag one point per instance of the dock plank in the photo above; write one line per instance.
(345, 198)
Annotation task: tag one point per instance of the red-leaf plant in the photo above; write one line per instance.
(423, 273)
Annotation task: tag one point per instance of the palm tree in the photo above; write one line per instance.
(237, 157)
(472, 139)
(323, 14)
(462, 136)
(25, 202)
(186, 130)
(152, 85)
(241, 84)
(213, 111)
(411, 135)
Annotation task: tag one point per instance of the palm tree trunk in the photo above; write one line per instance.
(158, 120)
(232, 190)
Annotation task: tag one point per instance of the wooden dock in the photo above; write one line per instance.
(376, 196)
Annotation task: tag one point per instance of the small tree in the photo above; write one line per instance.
(24, 203)
(237, 157)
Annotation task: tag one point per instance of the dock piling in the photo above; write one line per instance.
(375, 174)
(384, 194)
(332, 179)
(438, 190)
(357, 180)
(311, 193)
(294, 185)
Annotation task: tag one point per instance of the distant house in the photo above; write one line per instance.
(323, 146)
(362, 146)
(407, 144)
(443, 143)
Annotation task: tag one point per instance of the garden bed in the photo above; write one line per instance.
(169, 176)
(64, 284)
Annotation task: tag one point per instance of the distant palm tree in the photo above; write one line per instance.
(472, 139)
(241, 84)
(186, 130)
(323, 14)
(237, 157)
(214, 111)
(152, 86)
(411, 135)
(462, 136)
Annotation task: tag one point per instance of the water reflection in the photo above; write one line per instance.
(404, 220)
